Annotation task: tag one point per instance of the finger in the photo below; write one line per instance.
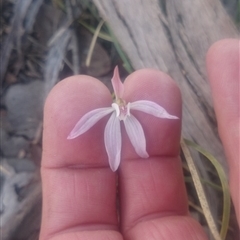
(79, 189)
(153, 195)
(223, 69)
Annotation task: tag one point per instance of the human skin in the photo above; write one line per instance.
(79, 189)
(223, 63)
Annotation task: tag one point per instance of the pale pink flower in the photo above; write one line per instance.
(120, 111)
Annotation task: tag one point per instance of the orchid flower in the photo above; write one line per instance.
(120, 111)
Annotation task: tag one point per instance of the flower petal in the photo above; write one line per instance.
(136, 135)
(116, 108)
(151, 108)
(113, 141)
(117, 84)
(88, 120)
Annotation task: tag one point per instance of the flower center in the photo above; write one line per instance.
(122, 109)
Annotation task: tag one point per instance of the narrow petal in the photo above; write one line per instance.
(117, 84)
(151, 108)
(88, 120)
(113, 141)
(136, 135)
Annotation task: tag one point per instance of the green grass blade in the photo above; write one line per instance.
(205, 182)
(224, 183)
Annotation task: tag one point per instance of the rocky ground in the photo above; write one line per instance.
(41, 43)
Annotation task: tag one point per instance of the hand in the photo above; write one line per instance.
(79, 189)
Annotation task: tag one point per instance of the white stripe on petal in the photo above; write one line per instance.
(136, 135)
(151, 108)
(88, 120)
(113, 141)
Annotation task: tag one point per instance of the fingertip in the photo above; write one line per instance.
(158, 87)
(74, 85)
(220, 56)
(222, 46)
(223, 74)
(155, 85)
(68, 101)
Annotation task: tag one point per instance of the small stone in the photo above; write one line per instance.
(18, 194)
(24, 104)
(21, 165)
(13, 146)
